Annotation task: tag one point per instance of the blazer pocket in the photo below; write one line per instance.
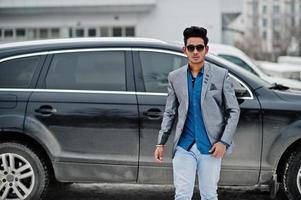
(213, 92)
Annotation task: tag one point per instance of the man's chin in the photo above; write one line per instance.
(196, 62)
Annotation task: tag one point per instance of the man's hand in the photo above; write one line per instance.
(218, 150)
(159, 153)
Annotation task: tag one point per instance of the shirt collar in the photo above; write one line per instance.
(200, 73)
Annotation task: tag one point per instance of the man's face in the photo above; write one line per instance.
(195, 50)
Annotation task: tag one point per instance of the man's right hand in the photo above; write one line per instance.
(159, 153)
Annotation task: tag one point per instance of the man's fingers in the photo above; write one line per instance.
(159, 159)
(158, 156)
(218, 153)
(212, 149)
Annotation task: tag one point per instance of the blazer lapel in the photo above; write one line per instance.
(184, 85)
(206, 81)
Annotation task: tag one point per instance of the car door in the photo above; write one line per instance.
(18, 75)
(151, 70)
(243, 166)
(152, 92)
(87, 112)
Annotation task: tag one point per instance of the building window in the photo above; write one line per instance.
(8, 33)
(31, 33)
(264, 35)
(264, 9)
(276, 35)
(276, 22)
(20, 32)
(43, 33)
(264, 22)
(92, 32)
(104, 31)
(117, 31)
(130, 31)
(79, 32)
(276, 9)
(55, 33)
(70, 32)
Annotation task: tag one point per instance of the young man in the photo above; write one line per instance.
(204, 99)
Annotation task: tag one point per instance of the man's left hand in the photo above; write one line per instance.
(218, 150)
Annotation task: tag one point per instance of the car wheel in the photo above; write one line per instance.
(23, 174)
(292, 176)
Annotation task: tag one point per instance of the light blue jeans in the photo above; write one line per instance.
(185, 166)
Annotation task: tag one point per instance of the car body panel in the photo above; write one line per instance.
(88, 142)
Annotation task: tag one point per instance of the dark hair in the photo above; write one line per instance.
(195, 31)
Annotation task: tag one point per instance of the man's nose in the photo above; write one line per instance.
(195, 51)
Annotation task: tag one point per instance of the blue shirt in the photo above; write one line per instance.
(194, 128)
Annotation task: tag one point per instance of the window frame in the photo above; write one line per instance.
(35, 76)
(132, 68)
(140, 63)
(140, 87)
(130, 87)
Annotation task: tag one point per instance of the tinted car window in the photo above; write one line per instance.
(155, 69)
(239, 62)
(88, 71)
(17, 73)
(238, 86)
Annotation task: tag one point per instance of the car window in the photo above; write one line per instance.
(238, 62)
(235, 68)
(87, 71)
(239, 86)
(18, 73)
(155, 69)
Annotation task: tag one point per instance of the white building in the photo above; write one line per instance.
(161, 19)
(231, 16)
(274, 25)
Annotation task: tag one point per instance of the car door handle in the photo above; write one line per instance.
(46, 110)
(153, 114)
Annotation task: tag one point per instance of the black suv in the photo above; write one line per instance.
(89, 110)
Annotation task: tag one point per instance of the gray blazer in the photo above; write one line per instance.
(219, 105)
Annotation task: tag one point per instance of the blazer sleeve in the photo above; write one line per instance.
(169, 114)
(232, 110)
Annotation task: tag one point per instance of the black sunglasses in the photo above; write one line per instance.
(198, 47)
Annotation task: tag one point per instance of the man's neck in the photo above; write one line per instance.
(196, 68)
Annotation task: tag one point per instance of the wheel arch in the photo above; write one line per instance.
(20, 137)
(283, 159)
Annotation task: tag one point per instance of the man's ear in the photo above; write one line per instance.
(184, 50)
(207, 49)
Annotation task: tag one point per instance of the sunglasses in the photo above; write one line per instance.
(198, 47)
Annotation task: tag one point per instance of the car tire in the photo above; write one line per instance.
(24, 174)
(292, 176)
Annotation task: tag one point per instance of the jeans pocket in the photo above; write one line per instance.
(179, 148)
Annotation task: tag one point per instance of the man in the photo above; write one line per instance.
(202, 96)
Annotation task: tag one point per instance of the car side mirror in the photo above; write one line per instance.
(241, 92)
